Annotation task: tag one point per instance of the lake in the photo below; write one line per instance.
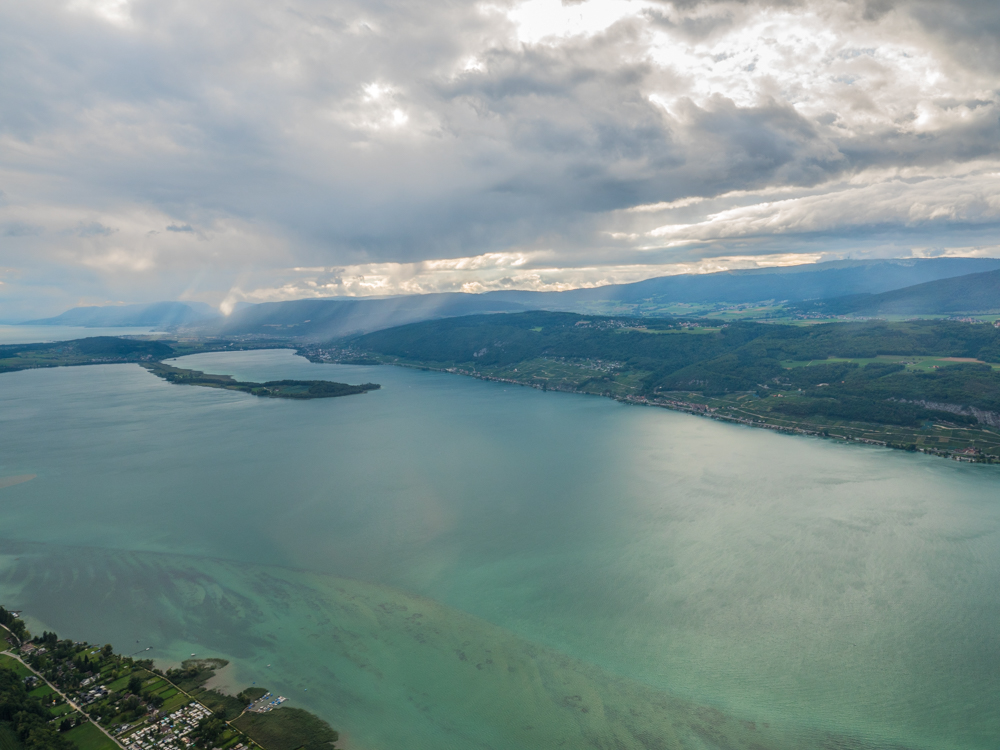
(448, 563)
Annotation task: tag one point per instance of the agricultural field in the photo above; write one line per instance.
(89, 737)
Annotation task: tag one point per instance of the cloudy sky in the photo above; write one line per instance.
(226, 150)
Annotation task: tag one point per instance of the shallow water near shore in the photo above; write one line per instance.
(607, 575)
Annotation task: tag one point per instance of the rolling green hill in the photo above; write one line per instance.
(905, 376)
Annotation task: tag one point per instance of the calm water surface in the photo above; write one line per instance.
(448, 563)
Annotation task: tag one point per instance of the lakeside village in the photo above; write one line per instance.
(967, 454)
(61, 694)
(728, 410)
(938, 437)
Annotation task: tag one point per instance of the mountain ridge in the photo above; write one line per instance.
(326, 319)
(157, 314)
(972, 293)
(321, 319)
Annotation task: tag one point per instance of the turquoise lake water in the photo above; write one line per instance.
(453, 564)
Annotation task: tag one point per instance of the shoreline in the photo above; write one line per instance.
(702, 410)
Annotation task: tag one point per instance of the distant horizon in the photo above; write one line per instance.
(845, 262)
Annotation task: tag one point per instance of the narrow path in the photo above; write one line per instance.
(63, 696)
(16, 657)
(11, 634)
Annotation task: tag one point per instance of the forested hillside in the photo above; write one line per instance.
(714, 358)
(884, 373)
(93, 350)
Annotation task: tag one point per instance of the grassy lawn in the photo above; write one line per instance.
(174, 702)
(228, 739)
(41, 691)
(14, 664)
(88, 737)
(119, 684)
(8, 739)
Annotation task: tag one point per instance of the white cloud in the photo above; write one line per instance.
(551, 20)
(492, 272)
(418, 143)
(968, 199)
(113, 11)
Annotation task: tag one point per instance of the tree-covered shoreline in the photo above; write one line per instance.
(910, 380)
(58, 694)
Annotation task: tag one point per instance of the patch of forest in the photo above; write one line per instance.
(836, 370)
(294, 389)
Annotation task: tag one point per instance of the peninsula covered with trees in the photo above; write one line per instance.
(298, 389)
(150, 355)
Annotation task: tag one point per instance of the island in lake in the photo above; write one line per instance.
(300, 389)
(150, 355)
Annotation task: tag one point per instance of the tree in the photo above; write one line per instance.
(107, 650)
(208, 730)
(27, 715)
(135, 684)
